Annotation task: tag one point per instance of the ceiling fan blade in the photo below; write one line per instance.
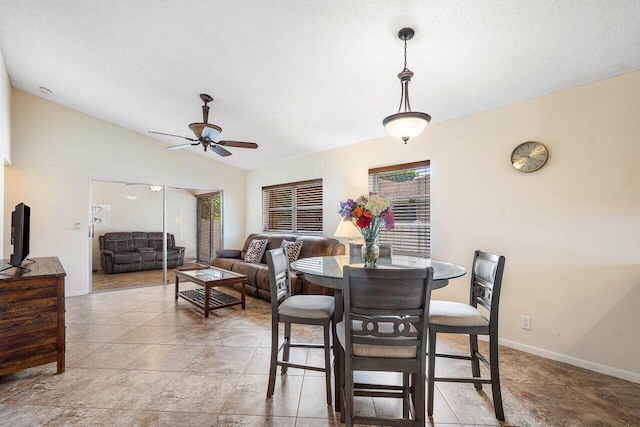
(238, 144)
(181, 146)
(219, 150)
(177, 136)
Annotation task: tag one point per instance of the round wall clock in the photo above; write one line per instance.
(529, 156)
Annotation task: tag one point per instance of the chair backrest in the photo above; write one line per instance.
(385, 250)
(392, 304)
(486, 282)
(279, 276)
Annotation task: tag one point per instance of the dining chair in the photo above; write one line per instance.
(384, 330)
(300, 309)
(458, 318)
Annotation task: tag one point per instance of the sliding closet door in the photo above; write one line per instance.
(129, 218)
(182, 232)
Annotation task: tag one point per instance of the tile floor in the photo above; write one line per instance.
(136, 357)
(108, 282)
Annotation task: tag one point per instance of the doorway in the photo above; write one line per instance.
(129, 223)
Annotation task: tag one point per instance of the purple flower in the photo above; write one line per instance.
(346, 208)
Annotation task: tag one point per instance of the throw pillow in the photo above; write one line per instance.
(255, 251)
(292, 249)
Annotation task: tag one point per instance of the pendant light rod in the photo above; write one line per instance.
(406, 34)
(406, 74)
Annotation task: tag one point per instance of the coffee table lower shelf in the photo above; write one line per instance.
(208, 278)
(217, 299)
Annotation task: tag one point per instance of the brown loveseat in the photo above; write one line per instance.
(136, 251)
(258, 273)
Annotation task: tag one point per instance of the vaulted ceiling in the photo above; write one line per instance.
(298, 77)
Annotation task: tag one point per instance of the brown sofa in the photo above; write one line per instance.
(135, 251)
(258, 274)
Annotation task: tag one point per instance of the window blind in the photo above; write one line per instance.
(293, 207)
(408, 188)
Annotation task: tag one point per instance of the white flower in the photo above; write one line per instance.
(376, 204)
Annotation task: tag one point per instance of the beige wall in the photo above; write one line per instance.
(570, 232)
(56, 151)
(5, 139)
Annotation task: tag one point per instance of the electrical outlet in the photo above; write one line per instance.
(525, 322)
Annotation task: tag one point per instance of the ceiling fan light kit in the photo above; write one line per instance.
(406, 124)
(206, 132)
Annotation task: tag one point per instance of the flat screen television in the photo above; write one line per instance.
(20, 234)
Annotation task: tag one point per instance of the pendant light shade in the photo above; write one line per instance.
(406, 124)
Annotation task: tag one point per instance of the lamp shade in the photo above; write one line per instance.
(347, 229)
(406, 125)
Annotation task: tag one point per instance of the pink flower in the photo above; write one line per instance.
(389, 222)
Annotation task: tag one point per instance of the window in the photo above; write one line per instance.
(408, 189)
(294, 207)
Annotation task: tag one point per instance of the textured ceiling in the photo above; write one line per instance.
(298, 77)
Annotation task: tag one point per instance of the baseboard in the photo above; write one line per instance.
(75, 293)
(603, 369)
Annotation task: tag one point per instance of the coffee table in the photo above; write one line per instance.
(209, 277)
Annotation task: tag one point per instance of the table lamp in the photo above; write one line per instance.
(346, 228)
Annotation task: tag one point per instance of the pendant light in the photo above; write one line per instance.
(406, 124)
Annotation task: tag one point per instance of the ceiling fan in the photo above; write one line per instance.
(206, 132)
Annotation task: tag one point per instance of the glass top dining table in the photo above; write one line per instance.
(328, 270)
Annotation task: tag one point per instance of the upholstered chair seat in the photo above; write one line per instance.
(308, 307)
(447, 313)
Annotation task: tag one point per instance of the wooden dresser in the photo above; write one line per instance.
(32, 329)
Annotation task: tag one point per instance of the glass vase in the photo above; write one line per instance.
(370, 252)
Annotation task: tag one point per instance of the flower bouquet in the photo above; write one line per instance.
(370, 214)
